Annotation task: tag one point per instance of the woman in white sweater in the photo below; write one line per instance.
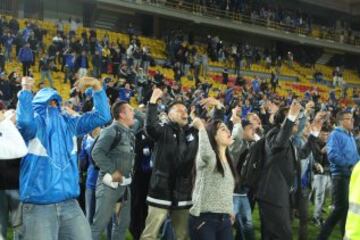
(211, 214)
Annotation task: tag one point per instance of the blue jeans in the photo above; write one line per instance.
(89, 204)
(106, 200)
(64, 220)
(242, 211)
(8, 54)
(9, 212)
(46, 74)
(210, 226)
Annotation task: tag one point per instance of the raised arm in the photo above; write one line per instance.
(281, 139)
(99, 116)
(25, 120)
(206, 155)
(152, 126)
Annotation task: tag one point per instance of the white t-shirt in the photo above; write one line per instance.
(12, 145)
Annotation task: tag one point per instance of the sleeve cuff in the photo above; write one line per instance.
(315, 134)
(292, 118)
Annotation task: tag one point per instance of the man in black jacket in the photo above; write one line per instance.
(281, 173)
(175, 149)
(171, 179)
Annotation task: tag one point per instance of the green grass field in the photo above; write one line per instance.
(312, 229)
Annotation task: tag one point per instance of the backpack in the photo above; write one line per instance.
(252, 164)
(115, 142)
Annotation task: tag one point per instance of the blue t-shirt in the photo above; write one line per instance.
(83, 62)
(85, 155)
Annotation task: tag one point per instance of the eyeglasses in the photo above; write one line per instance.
(348, 118)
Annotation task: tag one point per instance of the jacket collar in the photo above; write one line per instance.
(341, 129)
(121, 126)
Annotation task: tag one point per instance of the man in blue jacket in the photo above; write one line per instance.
(49, 178)
(343, 155)
(26, 57)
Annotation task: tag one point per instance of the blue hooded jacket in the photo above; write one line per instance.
(342, 152)
(49, 173)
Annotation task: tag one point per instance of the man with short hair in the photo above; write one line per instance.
(343, 155)
(281, 173)
(244, 135)
(49, 174)
(114, 154)
(174, 155)
(26, 57)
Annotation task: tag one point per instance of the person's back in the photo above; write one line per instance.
(49, 173)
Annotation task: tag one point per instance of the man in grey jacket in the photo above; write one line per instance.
(114, 154)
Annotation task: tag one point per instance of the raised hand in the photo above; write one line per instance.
(86, 82)
(235, 115)
(210, 102)
(295, 109)
(27, 83)
(156, 94)
(198, 124)
(272, 107)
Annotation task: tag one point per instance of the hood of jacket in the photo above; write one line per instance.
(42, 99)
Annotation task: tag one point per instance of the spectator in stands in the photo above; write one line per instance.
(60, 27)
(2, 61)
(73, 27)
(114, 154)
(45, 70)
(69, 66)
(337, 77)
(211, 215)
(26, 57)
(8, 41)
(50, 134)
(274, 81)
(343, 155)
(96, 62)
(125, 93)
(82, 64)
(12, 149)
(6, 93)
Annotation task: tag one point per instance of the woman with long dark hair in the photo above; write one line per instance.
(211, 215)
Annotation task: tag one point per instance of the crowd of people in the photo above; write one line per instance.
(182, 164)
(268, 14)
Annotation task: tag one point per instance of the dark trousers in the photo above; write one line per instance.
(303, 214)
(210, 226)
(340, 193)
(25, 68)
(275, 222)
